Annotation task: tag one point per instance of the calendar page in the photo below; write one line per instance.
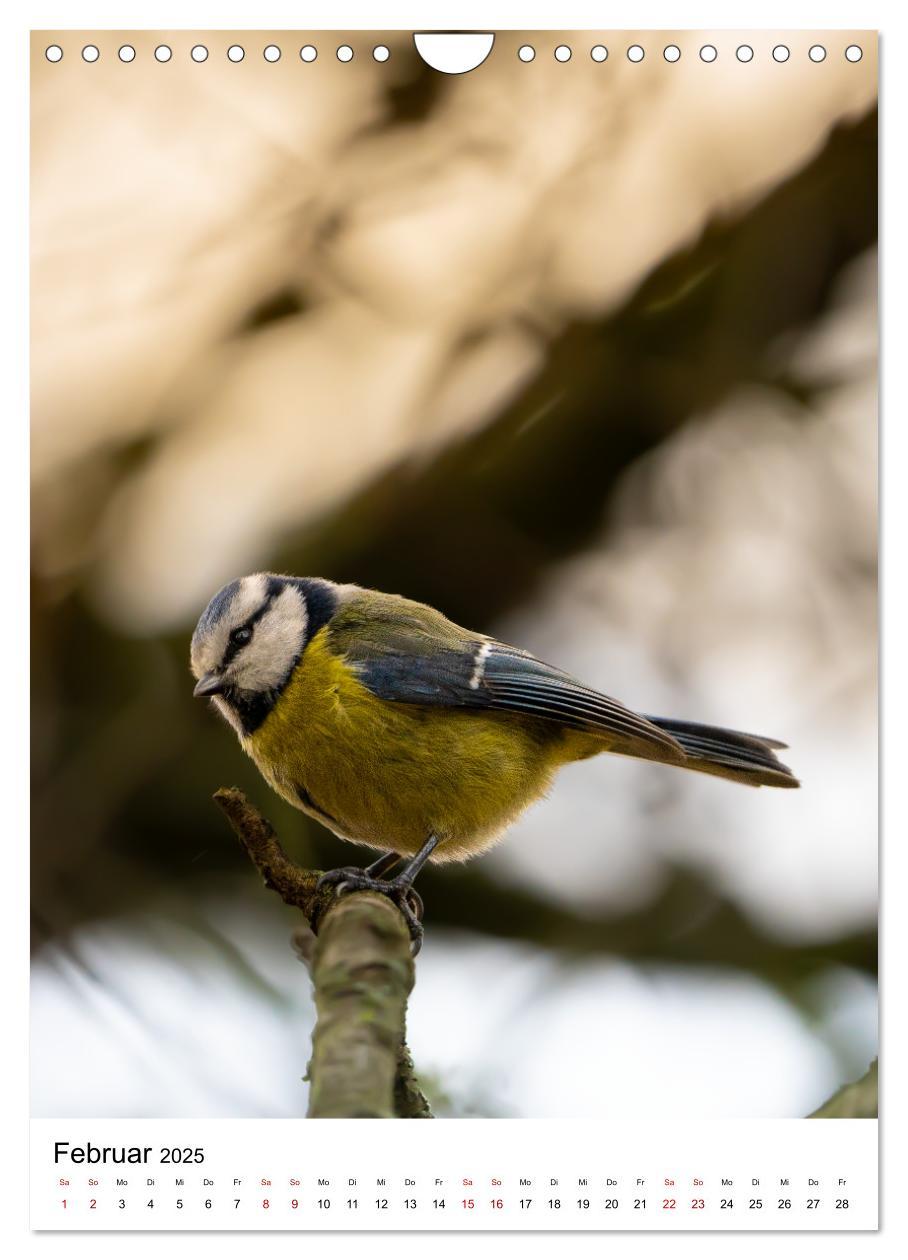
(454, 559)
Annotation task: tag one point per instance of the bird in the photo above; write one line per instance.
(401, 731)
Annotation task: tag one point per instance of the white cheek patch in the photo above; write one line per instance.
(277, 641)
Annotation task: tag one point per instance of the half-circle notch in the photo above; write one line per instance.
(453, 52)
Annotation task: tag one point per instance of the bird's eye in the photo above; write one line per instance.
(241, 635)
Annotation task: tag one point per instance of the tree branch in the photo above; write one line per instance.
(296, 886)
(362, 972)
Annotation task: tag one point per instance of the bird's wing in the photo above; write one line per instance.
(411, 654)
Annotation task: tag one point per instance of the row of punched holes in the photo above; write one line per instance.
(526, 52)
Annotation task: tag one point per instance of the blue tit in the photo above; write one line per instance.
(401, 731)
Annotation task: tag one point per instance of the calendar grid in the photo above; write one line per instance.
(464, 1174)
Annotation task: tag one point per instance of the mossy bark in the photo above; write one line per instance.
(363, 972)
(410, 1103)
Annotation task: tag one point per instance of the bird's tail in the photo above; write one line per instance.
(729, 754)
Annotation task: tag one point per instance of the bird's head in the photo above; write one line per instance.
(247, 643)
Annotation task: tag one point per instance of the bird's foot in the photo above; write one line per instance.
(347, 879)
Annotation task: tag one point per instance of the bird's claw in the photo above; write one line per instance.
(339, 877)
(347, 879)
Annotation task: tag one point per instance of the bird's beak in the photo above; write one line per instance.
(209, 685)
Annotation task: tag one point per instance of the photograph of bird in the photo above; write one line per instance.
(401, 731)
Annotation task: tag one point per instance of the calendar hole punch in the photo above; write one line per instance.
(453, 53)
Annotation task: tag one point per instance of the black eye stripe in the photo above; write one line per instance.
(233, 643)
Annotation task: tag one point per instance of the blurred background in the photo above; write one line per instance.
(583, 354)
